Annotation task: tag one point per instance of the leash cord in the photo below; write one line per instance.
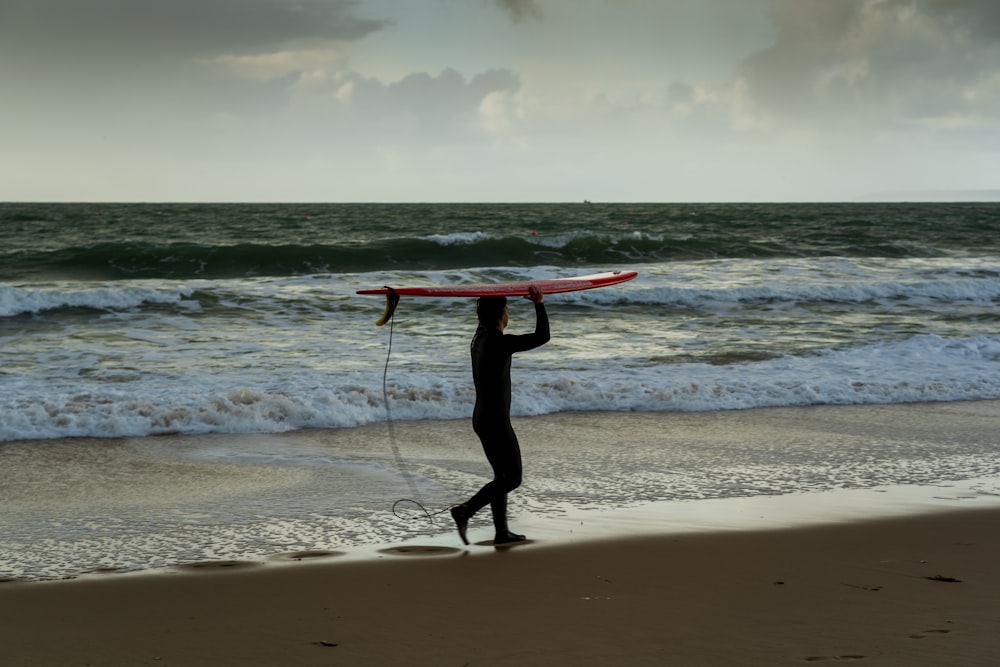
(400, 464)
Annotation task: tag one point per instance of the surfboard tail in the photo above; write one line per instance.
(391, 301)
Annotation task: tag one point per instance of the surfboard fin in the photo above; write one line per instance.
(391, 301)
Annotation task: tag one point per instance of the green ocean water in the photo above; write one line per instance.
(137, 319)
(119, 241)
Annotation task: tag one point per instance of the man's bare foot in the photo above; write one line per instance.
(507, 537)
(461, 517)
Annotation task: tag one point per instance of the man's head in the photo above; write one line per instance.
(492, 311)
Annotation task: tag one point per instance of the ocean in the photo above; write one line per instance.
(125, 321)
(128, 320)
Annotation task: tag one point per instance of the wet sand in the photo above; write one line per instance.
(906, 591)
(75, 505)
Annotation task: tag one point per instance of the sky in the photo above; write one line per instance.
(496, 100)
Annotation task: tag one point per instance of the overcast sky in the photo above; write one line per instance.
(496, 100)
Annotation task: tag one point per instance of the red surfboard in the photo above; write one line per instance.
(520, 288)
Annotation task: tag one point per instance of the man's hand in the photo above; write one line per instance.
(534, 293)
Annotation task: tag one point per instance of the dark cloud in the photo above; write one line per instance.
(680, 93)
(125, 59)
(806, 36)
(852, 60)
(521, 9)
(980, 17)
(144, 28)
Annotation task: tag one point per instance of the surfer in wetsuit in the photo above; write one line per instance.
(491, 356)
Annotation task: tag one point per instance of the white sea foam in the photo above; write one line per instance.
(279, 354)
(21, 300)
(924, 368)
(458, 238)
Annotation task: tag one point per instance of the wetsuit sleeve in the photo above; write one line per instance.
(540, 336)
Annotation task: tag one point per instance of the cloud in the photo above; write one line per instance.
(277, 64)
(85, 61)
(879, 65)
(500, 111)
(980, 17)
(445, 108)
(808, 43)
(652, 97)
(144, 28)
(521, 9)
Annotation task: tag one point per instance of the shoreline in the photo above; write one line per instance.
(112, 506)
(662, 520)
(908, 591)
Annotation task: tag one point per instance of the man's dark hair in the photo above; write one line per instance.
(489, 309)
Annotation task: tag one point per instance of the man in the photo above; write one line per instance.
(491, 356)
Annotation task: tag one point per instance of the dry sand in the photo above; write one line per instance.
(904, 591)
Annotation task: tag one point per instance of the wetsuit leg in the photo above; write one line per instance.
(504, 454)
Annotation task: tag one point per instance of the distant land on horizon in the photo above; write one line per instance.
(888, 197)
(934, 196)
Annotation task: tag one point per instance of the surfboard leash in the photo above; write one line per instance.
(392, 299)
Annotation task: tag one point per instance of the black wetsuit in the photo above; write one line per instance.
(491, 357)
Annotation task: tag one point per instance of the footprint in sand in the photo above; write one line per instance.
(103, 570)
(218, 565)
(310, 554)
(927, 633)
(817, 658)
(418, 550)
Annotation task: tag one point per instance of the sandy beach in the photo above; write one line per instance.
(906, 591)
(841, 570)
